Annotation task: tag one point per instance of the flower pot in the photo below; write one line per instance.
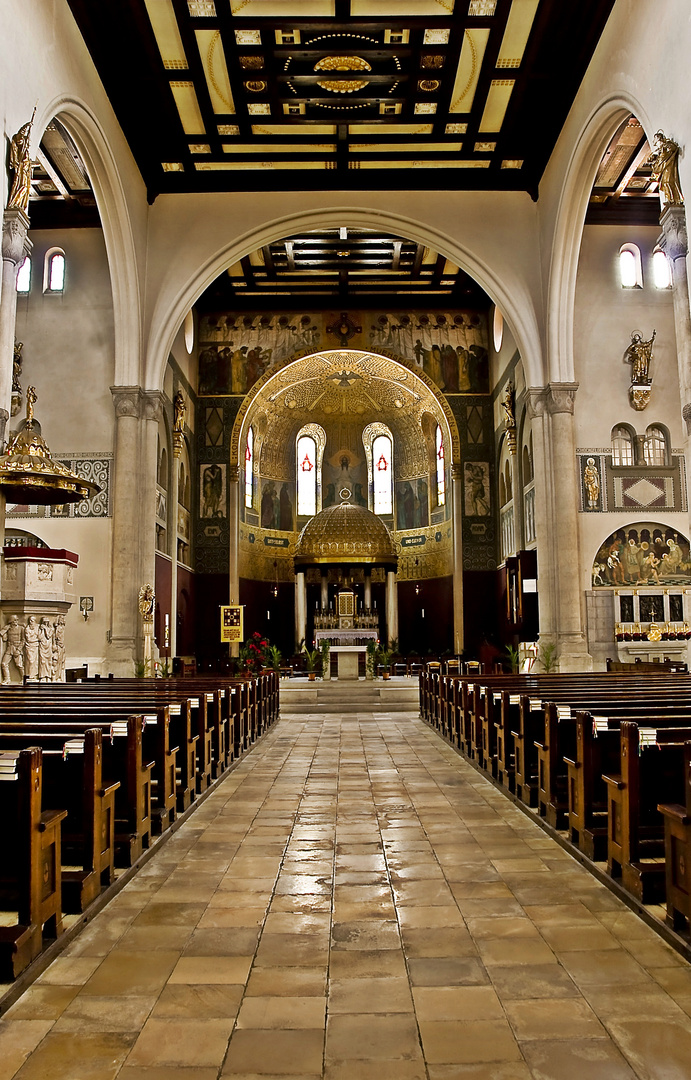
(311, 675)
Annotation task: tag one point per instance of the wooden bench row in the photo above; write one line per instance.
(603, 757)
(91, 776)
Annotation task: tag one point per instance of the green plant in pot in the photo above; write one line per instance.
(325, 649)
(384, 658)
(312, 658)
(514, 657)
(274, 657)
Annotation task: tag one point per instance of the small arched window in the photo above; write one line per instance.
(249, 468)
(54, 271)
(662, 275)
(622, 446)
(307, 475)
(441, 468)
(497, 329)
(655, 446)
(527, 465)
(630, 268)
(163, 469)
(24, 276)
(382, 472)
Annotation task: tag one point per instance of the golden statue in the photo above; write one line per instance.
(180, 410)
(665, 167)
(147, 601)
(639, 354)
(17, 367)
(591, 481)
(508, 405)
(31, 399)
(20, 164)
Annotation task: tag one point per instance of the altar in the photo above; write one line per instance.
(347, 645)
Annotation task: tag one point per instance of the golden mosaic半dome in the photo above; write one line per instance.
(345, 533)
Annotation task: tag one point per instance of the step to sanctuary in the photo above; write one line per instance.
(349, 696)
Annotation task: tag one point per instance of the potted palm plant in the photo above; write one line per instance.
(312, 658)
(384, 659)
(325, 649)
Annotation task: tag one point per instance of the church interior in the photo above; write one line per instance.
(431, 408)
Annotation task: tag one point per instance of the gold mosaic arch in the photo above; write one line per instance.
(351, 357)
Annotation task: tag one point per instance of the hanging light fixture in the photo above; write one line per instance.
(30, 476)
(274, 587)
(417, 583)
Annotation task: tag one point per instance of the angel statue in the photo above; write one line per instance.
(639, 354)
(664, 161)
(20, 164)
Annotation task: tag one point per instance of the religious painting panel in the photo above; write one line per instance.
(644, 553)
(477, 489)
(450, 348)
(237, 350)
(212, 491)
(277, 509)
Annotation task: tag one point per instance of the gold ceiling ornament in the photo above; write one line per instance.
(432, 61)
(343, 86)
(257, 86)
(28, 474)
(428, 86)
(252, 63)
(342, 63)
(345, 534)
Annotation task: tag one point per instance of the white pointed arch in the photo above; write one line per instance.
(113, 208)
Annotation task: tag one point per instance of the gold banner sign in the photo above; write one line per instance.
(231, 622)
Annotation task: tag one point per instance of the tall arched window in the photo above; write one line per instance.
(24, 276)
(54, 271)
(630, 269)
(249, 468)
(662, 275)
(622, 446)
(655, 446)
(441, 467)
(382, 473)
(306, 462)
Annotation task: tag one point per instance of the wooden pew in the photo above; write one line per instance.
(651, 768)
(30, 861)
(677, 817)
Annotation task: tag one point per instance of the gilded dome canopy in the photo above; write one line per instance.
(345, 533)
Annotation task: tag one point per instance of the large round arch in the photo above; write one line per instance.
(113, 209)
(510, 291)
(588, 149)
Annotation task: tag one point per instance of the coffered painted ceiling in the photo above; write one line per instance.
(224, 95)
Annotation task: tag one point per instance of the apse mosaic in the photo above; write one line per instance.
(646, 553)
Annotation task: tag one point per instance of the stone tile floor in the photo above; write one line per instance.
(355, 901)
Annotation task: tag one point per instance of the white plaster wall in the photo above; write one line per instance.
(69, 344)
(640, 65)
(45, 63)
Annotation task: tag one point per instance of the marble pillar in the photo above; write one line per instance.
(536, 408)
(325, 591)
(569, 598)
(300, 608)
(391, 607)
(134, 519)
(234, 532)
(674, 243)
(368, 589)
(457, 508)
(15, 247)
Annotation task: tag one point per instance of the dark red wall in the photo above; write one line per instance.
(431, 632)
(186, 637)
(162, 586)
(273, 617)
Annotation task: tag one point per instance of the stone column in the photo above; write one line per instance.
(151, 406)
(300, 607)
(368, 589)
(391, 607)
(674, 243)
(457, 508)
(570, 601)
(125, 636)
(173, 519)
(536, 408)
(234, 535)
(15, 246)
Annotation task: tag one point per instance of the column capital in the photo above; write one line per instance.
(674, 239)
(686, 415)
(15, 241)
(126, 400)
(151, 404)
(561, 397)
(457, 471)
(233, 474)
(536, 401)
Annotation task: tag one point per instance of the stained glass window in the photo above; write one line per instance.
(383, 474)
(249, 468)
(441, 469)
(307, 476)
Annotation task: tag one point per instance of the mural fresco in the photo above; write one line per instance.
(412, 504)
(477, 489)
(344, 470)
(646, 553)
(212, 491)
(277, 509)
(236, 350)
